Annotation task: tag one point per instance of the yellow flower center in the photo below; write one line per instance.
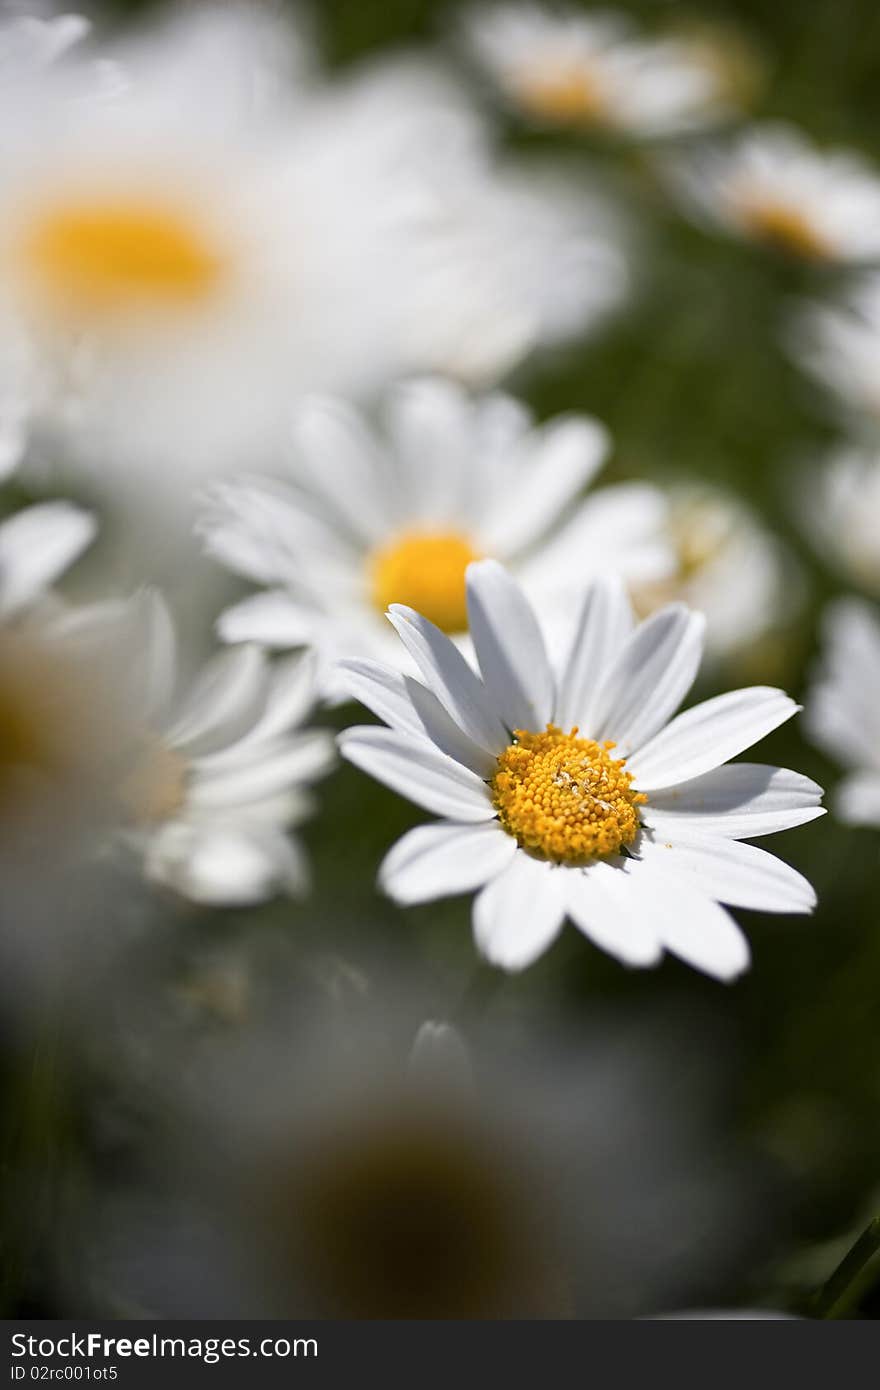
(785, 228)
(566, 96)
(565, 798)
(425, 570)
(97, 256)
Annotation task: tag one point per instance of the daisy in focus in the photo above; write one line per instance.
(727, 566)
(209, 782)
(565, 68)
(843, 707)
(572, 790)
(369, 521)
(773, 187)
(838, 345)
(841, 514)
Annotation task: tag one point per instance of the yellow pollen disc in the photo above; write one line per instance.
(425, 570)
(154, 787)
(97, 256)
(567, 96)
(787, 229)
(565, 798)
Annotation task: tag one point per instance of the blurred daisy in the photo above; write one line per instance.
(37, 546)
(840, 510)
(843, 706)
(215, 233)
(838, 344)
(770, 185)
(572, 792)
(562, 67)
(210, 781)
(371, 522)
(727, 566)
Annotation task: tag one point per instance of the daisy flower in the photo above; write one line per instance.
(214, 233)
(840, 511)
(770, 185)
(209, 780)
(562, 67)
(838, 345)
(570, 790)
(727, 566)
(843, 706)
(369, 521)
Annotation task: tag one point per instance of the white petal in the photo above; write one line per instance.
(741, 800)
(291, 694)
(565, 455)
(417, 770)
(603, 625)
(339, 460)
(381, 690)
(225, 698)
(438, 861)
(732, 872)
(858, 799)
(509, 648)
(231, 778)
(274, 619)
(519, 913)
(709, 734)
(36, 546)
(445, 734)
(598, 904)
(221, 865)
(690, 925)
(158, 670)
(448, 675)
(650, 678)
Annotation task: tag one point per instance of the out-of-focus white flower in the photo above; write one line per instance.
(29, 43)
(37, 545)
(727, 566)
(839, 346)
(371, 522)
(563, 67)
(840, 510)
(771, 185)
(215, 235)
(210, 781)
(639, 845)
(843, 707)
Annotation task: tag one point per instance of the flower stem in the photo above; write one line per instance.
(833, 1292)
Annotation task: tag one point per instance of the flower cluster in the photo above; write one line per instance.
(300, 410)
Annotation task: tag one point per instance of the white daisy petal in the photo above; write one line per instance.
(565, 456)
(517, 916)
(417, 770)
(708, 735)
(649, 680)
(445, 733)
(690, 925)
(36, 546)
(272, 618)
(158, 668)
(446, 672)
(339, 460)
(233, 778)
(290, 696)
(509, 647)
(732, 872)
(858, 798)
(383, 691)
(603, 625)
(222, 702)
(741, 800)
(224, 865)
(598, 905)
(439, 861)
